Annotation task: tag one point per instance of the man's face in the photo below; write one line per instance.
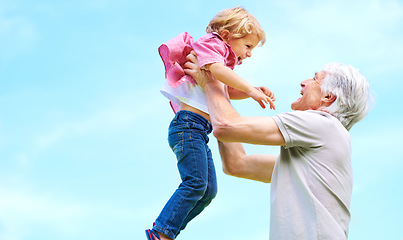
(311, 93)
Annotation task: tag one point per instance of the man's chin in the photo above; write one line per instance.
(294, 105)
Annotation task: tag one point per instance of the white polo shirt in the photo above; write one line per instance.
(312, 179)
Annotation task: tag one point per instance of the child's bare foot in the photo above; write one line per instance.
(164, 237)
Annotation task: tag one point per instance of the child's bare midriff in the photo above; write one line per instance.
(186, 107)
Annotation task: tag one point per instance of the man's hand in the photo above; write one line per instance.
(192, 69)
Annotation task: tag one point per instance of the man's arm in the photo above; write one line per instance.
(230, 129)
(258, 167)
(228, 125)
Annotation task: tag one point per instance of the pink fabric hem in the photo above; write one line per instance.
(173, 53)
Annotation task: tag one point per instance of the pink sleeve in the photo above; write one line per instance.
(210, 49)
(173, 54)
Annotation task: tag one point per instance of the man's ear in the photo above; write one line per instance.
(328, 99)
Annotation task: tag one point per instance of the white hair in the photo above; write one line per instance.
(353, 96)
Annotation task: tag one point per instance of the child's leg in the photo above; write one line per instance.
(188, 139)
(210, 193)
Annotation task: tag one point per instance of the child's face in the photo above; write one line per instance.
(243, 46)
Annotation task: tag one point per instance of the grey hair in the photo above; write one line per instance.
(353, 97)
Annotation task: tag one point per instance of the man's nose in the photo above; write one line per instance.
(303, 83)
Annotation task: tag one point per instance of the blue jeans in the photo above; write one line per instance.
(187, 136)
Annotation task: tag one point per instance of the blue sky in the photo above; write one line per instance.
(83, 127)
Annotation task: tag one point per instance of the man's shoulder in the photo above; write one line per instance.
(309, 114)
(309, 128)
(309, 119)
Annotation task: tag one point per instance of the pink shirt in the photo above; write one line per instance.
(209, 48)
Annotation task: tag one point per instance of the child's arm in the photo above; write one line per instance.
(237, 94)
(230, 78)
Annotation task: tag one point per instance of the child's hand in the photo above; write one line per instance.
(267, 92)
(263, 96)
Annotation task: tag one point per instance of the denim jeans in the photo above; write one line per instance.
(187, 136)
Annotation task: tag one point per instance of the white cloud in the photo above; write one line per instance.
(363, 140)
(18, 36)
(124, 112)
(347, 16)
(371, 29)
(303, 36)
(21, 210)
(25, 211)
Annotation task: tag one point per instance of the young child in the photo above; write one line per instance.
(231, 36)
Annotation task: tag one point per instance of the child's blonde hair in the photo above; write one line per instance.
(238, 22)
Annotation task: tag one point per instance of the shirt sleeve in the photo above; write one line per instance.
(209, 50)
(305, 129)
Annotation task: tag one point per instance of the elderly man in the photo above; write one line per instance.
(311, 179)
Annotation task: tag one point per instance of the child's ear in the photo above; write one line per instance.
(225, 35)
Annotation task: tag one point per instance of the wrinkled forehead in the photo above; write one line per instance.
(320, 75)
